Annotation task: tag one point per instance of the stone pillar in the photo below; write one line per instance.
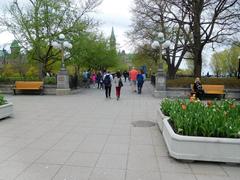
(62, 83)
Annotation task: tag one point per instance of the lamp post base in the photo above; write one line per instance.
(62, 92)
(62, 82)
(160, 80)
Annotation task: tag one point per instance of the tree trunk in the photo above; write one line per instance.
(197, 46)
(198, 62)
(171, 72)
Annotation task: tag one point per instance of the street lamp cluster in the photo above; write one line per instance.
(62, 76)
(160, 43)
(62, 44)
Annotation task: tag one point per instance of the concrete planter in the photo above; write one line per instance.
(6, 110)
(160, 117)
(200, 148)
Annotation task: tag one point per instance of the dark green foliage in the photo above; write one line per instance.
(185, 82)
(2, 100)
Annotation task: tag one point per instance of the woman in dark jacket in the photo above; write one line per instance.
(140, 81)
(198, 88)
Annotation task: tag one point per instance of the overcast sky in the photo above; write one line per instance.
(111, 13)
(116, 14)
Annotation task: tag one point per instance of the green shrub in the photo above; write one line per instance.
(217, 119)
(50, 80)
(2, 100)
(185, 82)
(11, 80)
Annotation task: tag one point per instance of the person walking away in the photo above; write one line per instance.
(107, 81)
(94, 77)
(133, 76)
(125, 74)
(197, 87)
(118, 84)
(140, 81)
(99, 79)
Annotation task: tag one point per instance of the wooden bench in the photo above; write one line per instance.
(28, 85)
(211, 89)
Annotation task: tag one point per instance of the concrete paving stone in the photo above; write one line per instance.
(107, 174)
(178, 176)
(145, 150)
(114, 161)
(140, 131)
(11, 169)
(112, 139)
(142, 162)
(54, 157)
(42, 144)
(161, 150)
(66, 145)
(89, 147)
(143, 175)
(214, 177)
(73, 173)
(116, 149)
(27, 155)
(232, 170)
(203, 168)
(5, 140)
(147, 140)
(170, 165)
(120, 131)
(94, 138)
(83, 159)
(39, 172)
(7, 152)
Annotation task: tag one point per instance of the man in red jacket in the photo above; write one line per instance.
(133, 77)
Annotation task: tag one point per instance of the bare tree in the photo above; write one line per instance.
(209, 21)
(151, 17)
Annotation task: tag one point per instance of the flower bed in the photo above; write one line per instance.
(206, 132)
(194, 118)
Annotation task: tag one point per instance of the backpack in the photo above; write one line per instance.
(107, 81)
(120, 84)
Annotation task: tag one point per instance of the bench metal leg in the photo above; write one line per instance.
(14, 92)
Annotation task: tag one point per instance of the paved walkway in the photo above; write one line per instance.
(88, 137)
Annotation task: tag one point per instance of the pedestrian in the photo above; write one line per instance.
(140, 81)
(118, 84)
(197, 87)
(93, 78)
(107, 81)
(99, 80)
(125, 74)
(133, 76)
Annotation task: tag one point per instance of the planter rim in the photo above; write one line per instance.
(178, 137)
(5, 105)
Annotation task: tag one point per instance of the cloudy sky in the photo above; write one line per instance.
(110, 13)
(116, 14)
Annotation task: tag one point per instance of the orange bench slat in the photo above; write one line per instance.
(28, 85)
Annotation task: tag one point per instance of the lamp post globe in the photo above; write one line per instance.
(61, 36)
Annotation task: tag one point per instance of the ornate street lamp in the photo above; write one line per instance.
(62, 76)
(160, 43)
